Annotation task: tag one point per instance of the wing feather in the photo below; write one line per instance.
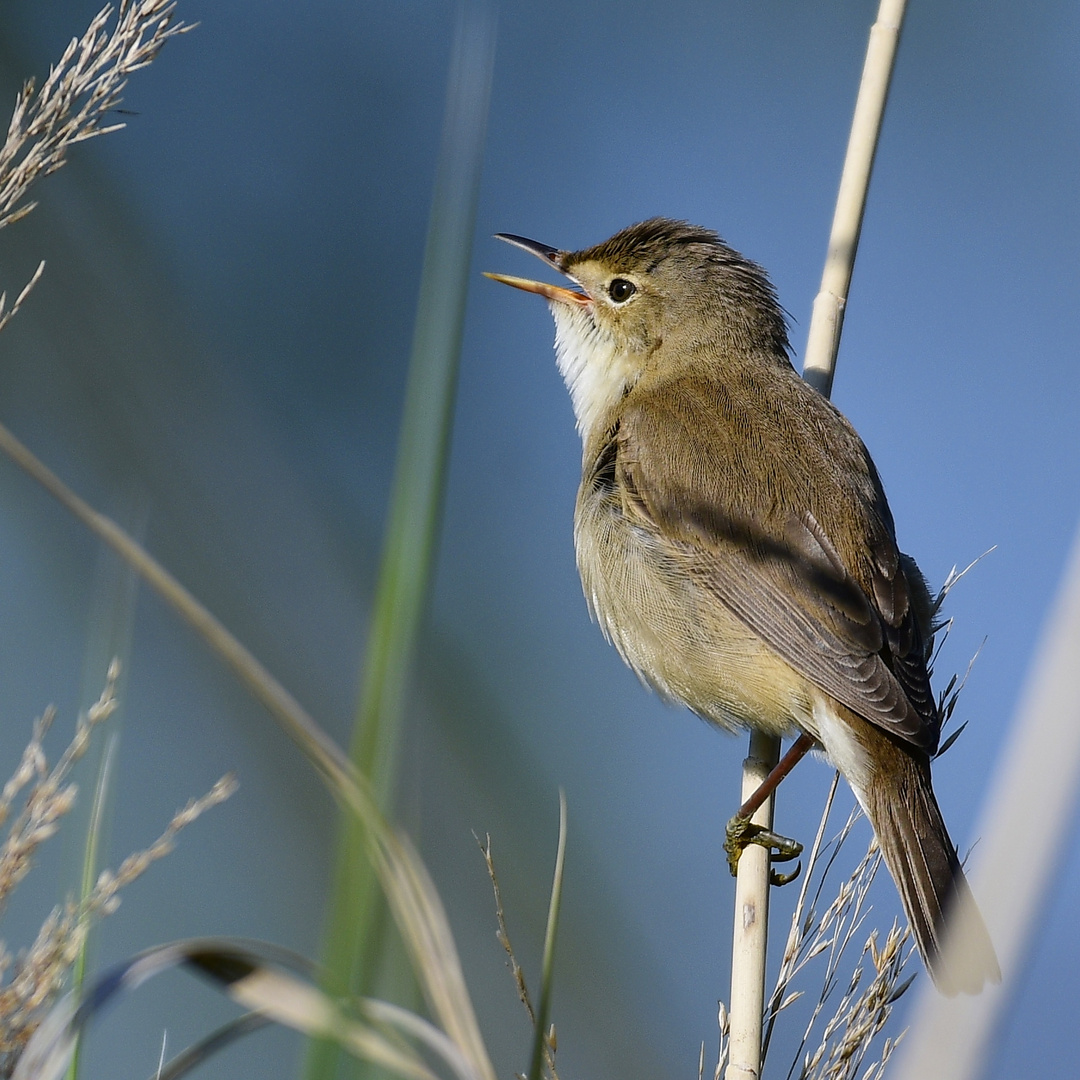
(847, 625)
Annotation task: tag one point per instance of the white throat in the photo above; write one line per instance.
(590, 364)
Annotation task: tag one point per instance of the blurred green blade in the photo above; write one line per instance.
(354, 935)
(412, 527)
(541, 1047)
(112, 627)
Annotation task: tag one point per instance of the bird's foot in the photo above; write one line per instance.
(741, 831)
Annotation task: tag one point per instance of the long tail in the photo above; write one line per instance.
(923, 862)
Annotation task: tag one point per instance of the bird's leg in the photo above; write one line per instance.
(742, 831)
(796, 752)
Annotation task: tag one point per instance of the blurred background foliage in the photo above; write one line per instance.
(217, 355)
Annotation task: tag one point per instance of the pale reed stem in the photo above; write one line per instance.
(826, 324)
(751, 924)
(827, 321)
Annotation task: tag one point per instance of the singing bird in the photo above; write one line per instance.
(735, 544)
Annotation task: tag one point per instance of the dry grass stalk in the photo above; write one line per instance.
(847, 1037)
(38, 974)
(825, 938)
(723, 1025)
(80, 90)
(814, 939)
(50, 795)
(503, 937)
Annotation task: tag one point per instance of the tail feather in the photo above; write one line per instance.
(923, 862)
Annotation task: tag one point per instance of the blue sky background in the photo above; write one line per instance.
(217, 355)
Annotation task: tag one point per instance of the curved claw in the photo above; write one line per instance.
(778, 879)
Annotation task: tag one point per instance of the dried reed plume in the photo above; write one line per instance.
(80, 90)
(38, 974)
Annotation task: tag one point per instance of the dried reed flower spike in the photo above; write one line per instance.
(38, 974)
(81, 88)
(817, 944)
(503, 937)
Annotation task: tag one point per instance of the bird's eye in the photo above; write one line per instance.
(620, 290)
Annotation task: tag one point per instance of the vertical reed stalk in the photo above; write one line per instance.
(827, 320)
(823, 343)
(747, 1000)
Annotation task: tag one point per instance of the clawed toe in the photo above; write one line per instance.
(741, 832)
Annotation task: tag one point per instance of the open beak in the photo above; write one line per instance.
(552, 257)
(552, 292)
